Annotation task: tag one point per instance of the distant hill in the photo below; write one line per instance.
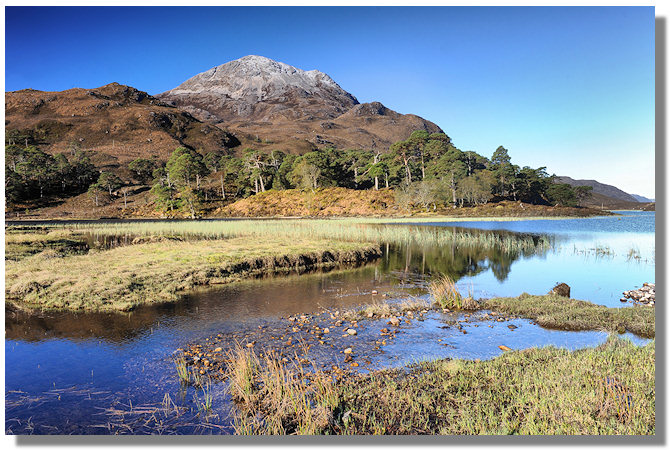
(607, 196)
(114, 121)
(642, 199)
(270, 102)
(599, 188)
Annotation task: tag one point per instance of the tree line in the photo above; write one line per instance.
(425, 170)
(31, 174)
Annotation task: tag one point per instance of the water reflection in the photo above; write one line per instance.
(62, 369)
(402, 270)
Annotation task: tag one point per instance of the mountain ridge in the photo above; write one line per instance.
(270, 100)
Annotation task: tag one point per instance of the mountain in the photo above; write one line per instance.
(599, 188)
(120, 123)
(255, 88)
(642, 199)
(607, 196)
(271, 102)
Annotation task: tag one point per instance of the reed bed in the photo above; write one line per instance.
(354, 230)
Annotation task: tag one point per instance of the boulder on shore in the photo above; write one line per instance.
(561, 289)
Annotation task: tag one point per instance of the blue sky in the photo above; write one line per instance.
(570, 88)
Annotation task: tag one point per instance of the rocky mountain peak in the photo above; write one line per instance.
(259, 88)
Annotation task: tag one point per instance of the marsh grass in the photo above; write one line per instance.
(204, 405)
(605, 390)
(274, 396)
(552, 311)
(182, 370)
(21, 243)
(609, 389)
(348, 230)
(125, 277)
(445, 294)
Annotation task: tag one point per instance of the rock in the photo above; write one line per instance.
(561, 289)
(326, 330)
(218, 349)
(394, 321)
(646, 295)
(348, 350)
(351, 332)
(511, 327)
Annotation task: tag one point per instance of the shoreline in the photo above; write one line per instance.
(406, 395)
(361, 219)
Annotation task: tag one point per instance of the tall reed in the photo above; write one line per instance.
(446, 294)
(356, 230)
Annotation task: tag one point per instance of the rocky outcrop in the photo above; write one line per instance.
(255, 88)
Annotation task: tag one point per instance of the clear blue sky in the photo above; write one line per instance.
(569, 88)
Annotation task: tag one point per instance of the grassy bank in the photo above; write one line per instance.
(124, 277)
(605, 390)
(563, 313)
(21, 243)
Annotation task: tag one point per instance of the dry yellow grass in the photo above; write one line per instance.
(124, 277)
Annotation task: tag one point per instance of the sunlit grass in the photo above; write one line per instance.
(553, 311)
(609, 389)
(367, 230)
(445, 294)
(124, 277)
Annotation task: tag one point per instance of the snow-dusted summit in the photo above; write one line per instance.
(261, 89)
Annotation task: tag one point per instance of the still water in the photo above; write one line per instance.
(94, 373)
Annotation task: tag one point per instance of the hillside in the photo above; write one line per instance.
(269, 102)
(118, 123)
(599, 188)
(643, 199)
